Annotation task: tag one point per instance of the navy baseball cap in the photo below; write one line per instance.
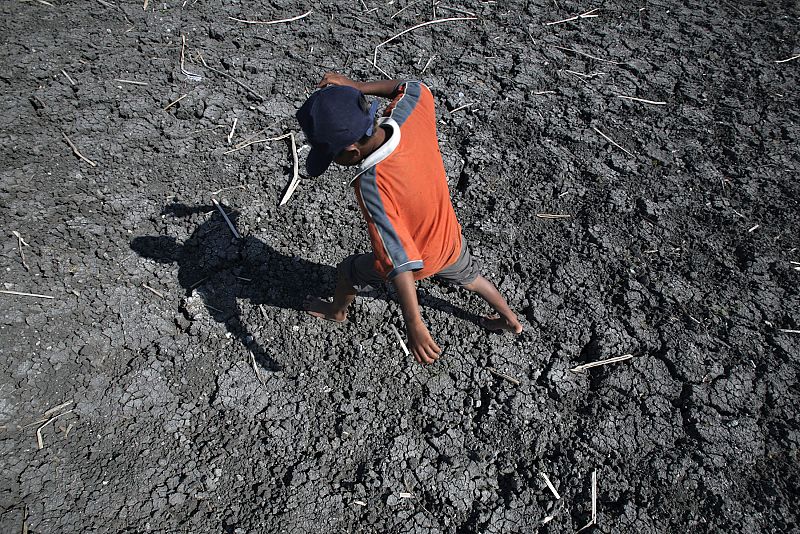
(333, 118)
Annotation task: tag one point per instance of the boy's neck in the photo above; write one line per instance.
(377, 140)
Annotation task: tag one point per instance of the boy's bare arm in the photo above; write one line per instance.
(420, 342)
(382, 88)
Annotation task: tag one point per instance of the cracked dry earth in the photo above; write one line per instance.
(680, 248)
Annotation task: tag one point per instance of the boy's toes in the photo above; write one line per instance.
(489, 323)
(314, 305)
(323, 309)
(496, 323)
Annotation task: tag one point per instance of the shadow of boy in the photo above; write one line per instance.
(222, 269)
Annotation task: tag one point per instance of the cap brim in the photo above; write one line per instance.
(318, 162)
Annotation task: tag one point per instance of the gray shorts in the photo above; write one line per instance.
(359, 269)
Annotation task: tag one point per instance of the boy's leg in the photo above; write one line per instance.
(465, 272)
(352, 274)
(335, 311)
(488, 292)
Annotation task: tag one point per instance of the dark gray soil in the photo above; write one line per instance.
(678, 250)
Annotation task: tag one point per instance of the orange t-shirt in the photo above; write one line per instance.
(402, 191)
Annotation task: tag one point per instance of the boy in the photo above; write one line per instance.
(402, 192)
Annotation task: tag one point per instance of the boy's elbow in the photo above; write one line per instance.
(407, 267)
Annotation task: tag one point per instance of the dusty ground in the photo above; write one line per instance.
(678, 250)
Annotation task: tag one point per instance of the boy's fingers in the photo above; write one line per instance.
(433, 350)
(432, 355)
(330, 78)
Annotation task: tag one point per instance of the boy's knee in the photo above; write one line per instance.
(344, 270)
(473, 285)
(358, 271)
(343, 267)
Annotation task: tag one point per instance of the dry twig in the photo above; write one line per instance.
(587, 55)
(427, 64)
(233, 129)
(246, 144)
(553, 216)
(153, 291)
(68, 76)
(656, 102)
(55, 409)
(587, 15)
(456, 10)
(39, 439)
(607, 138)
(504, 376)
(589, 365)
(459, 108)
(191, 76)
(78, 152)
(241, 144)
(789, 331)
(293, 183)
(408, 6)
(231, 78)
(198, 283)
(20, 243)
(291, 19)
(593, 520)
(255, 368)
(390, 39)
(35, 423)
(227, 220)
(400, 339)
(788, 59)
(20, 293)
(550, 485)
(202, 130)
(176, 101)
(590, 75)
(132, 82)
(218, 191)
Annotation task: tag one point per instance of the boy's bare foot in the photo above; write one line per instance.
(496, 323)
(323, 309)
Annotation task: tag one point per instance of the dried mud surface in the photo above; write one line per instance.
(677, 251)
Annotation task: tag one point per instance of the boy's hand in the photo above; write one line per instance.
(382, 88)
(334, 78)
(421, 344)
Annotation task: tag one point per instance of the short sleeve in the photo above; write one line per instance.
(408, 96)
(394, 249)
